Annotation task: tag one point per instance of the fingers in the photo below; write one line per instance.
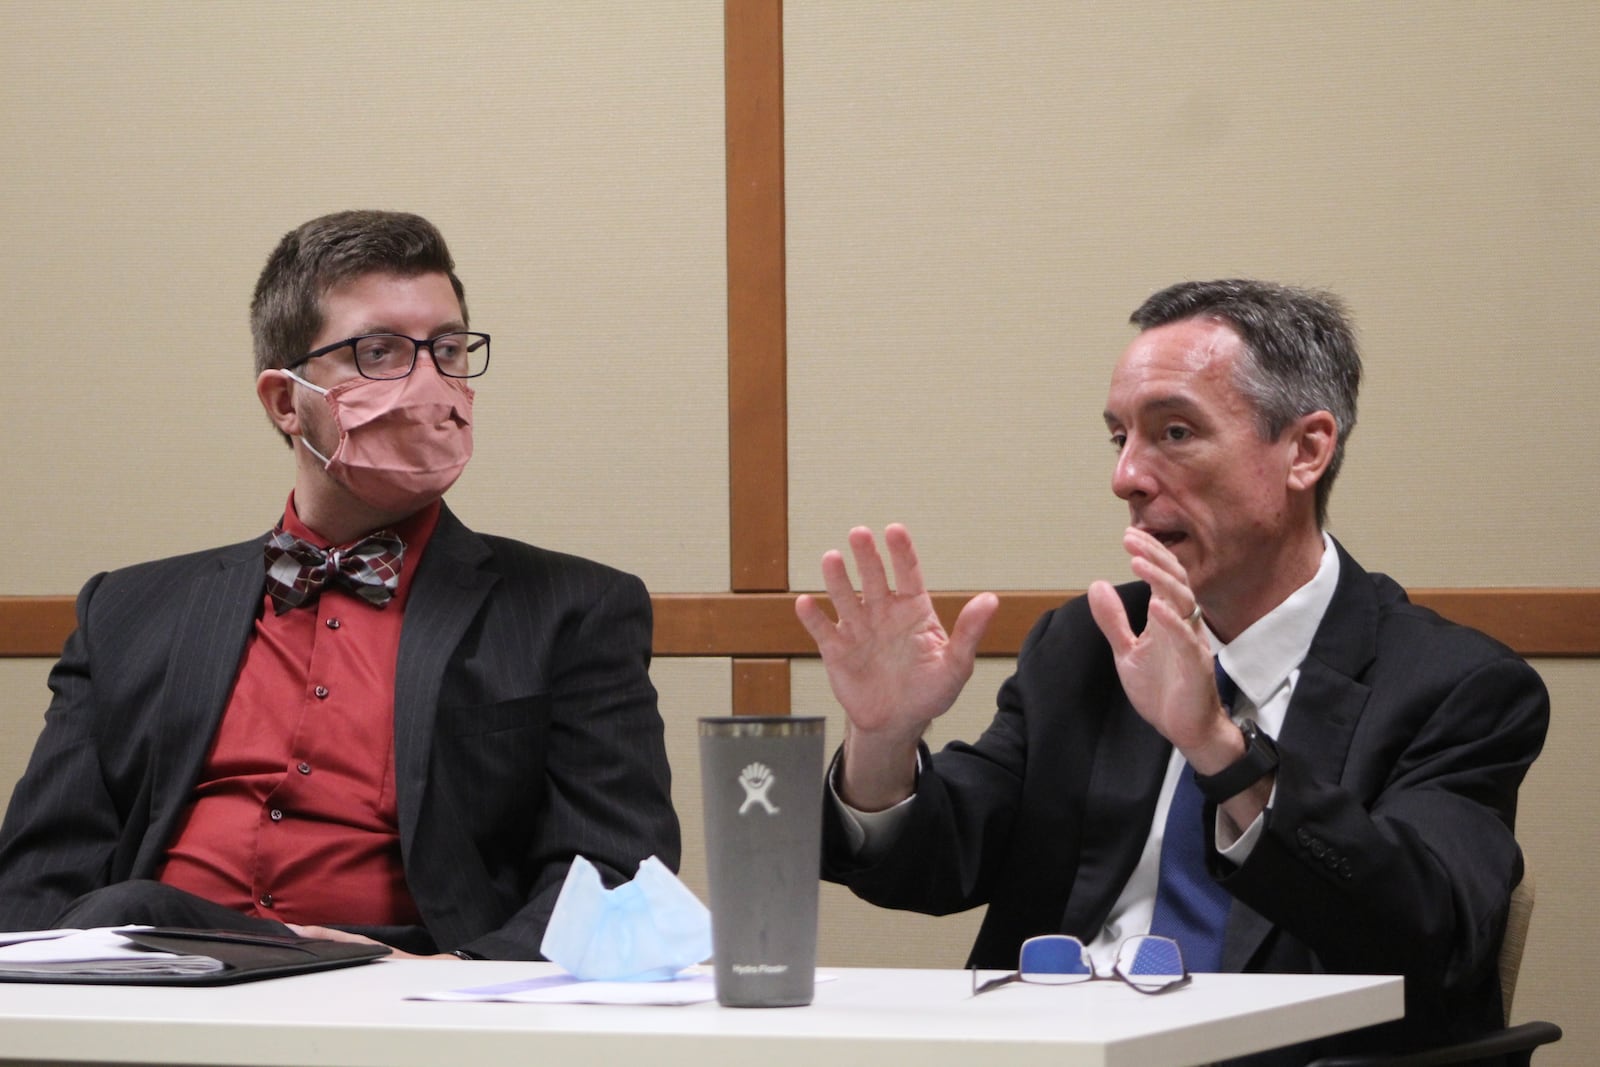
(1163, 614)
(1155, 564)
(1164, 586)
(836, 580)
(870, 568)
(903, 555)
(327, 933)
(869, 564)
(1142, 546)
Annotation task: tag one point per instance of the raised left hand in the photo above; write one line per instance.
(1167, 669)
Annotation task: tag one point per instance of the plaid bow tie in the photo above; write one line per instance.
(297, 570)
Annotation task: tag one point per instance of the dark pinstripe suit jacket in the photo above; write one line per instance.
(1389, 848)
(526, 731)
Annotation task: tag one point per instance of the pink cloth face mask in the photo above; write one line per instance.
(402, 441)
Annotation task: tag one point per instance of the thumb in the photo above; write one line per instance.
(970, 626)
(1112, 618)
(816, 621)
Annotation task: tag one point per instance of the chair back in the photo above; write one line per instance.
(1516, 936)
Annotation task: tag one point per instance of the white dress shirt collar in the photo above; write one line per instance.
(1262, 659)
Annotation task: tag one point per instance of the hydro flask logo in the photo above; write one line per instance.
(757, 779)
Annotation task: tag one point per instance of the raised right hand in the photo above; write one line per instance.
(890, 663)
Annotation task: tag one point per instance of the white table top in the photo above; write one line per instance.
(358, 1017)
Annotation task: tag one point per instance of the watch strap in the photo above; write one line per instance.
(1259, 760)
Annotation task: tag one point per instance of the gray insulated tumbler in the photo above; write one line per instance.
(762, 786)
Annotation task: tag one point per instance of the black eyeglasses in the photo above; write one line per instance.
(1148, 963)
(386, 356)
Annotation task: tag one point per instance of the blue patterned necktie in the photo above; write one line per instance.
(1191, 908)
(297, 570)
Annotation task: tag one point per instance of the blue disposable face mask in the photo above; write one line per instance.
(645, 930)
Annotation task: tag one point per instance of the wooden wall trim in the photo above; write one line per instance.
(1534, 621)
(35, 625)
(758, 430)
(761, 686)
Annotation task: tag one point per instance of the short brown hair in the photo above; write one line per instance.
(286, 311)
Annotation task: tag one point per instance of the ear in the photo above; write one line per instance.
(1312, 438)
(276, 393)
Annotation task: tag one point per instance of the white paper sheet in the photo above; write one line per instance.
(91, 952)
(689, 988)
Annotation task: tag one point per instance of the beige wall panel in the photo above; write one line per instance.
(156, 151)
(979, 194)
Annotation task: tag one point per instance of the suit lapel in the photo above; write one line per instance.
(1322, 717)
(447, 593)
(1124, 785)
(217, 616)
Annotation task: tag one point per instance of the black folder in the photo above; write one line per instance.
(246, 957)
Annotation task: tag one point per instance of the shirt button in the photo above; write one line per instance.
(277, 815)
(303, 767)
(265, 900)
(332, 624)
(321, 691)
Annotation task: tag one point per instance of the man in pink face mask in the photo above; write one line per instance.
(402, 438)
(371, 722)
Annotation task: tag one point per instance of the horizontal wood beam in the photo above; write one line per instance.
(35, 625)
(1534, 621)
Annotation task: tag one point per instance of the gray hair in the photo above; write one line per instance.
(1300, 353)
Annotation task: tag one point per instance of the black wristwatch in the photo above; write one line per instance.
(1259, 760)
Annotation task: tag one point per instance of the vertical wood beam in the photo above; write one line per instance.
(758, 405)
(758, 439)
(761, 687)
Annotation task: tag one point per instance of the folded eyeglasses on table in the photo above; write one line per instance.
(1148, 963)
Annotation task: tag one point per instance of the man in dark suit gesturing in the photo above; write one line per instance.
(372, 718)
(1257, 748)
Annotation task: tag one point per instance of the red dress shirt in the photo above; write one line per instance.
(293, 817)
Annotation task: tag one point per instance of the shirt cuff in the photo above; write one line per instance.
(869, 833)
(1235, 845)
